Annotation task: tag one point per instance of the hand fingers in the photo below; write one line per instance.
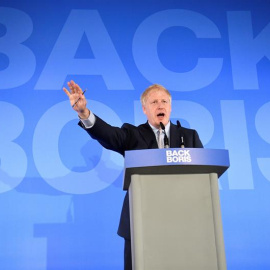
(70, 85)
(66, 91)
(75, 95)
(74, 88)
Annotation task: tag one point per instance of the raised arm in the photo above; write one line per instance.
(77, 99)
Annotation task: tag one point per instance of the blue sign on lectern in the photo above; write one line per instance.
(175, 161)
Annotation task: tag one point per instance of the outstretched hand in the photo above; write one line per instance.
(77, 99)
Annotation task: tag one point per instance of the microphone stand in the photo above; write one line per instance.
(166, 140)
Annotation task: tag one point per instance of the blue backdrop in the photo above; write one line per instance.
(60, 192)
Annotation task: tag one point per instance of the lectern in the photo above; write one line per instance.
(175, 209)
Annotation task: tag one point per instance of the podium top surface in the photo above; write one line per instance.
(175, 161)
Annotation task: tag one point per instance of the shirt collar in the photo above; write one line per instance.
(167, 128)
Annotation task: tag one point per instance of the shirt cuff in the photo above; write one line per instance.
(88, 123)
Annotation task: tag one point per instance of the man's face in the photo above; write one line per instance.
(157, 108)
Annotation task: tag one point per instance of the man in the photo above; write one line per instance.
(156, 105)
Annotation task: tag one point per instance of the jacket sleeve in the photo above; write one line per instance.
(110, 137)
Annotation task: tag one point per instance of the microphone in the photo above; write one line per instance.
(166, 140)
(182, 144)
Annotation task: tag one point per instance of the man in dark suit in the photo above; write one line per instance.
(156, 105)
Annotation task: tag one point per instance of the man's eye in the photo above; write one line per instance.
(154, 102)
(164, 101)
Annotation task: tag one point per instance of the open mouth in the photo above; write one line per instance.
(160, 115)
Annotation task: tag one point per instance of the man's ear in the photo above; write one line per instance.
(143, 108)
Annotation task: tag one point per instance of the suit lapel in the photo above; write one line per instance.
(148, 136)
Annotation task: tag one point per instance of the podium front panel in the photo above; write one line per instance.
(176, 222)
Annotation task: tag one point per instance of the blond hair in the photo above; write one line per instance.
(154, 87)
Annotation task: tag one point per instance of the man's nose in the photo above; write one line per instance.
(160, 104)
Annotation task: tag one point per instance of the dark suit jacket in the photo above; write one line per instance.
(130, 137)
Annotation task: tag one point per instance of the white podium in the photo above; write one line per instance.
(175, 209)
